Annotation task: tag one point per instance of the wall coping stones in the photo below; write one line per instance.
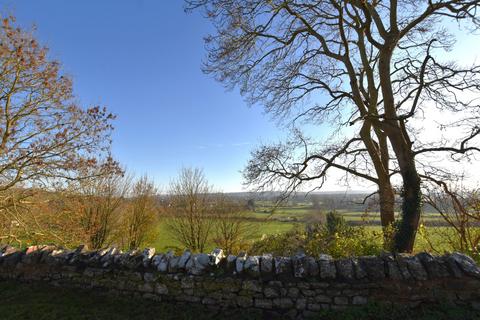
(420, 267)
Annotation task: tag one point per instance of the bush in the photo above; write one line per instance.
(334, 237)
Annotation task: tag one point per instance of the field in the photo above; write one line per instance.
(267, 219)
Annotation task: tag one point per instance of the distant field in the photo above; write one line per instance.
(266, 220)
(164, 241)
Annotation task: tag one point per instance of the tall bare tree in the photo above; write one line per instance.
(140, 215)
(190, 209)
(374, 71)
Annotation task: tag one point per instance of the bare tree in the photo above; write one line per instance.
(460, 209)
(190, 209)
(232, 230)
(96, 204)
(374, 71)
(44, 135)
(140, 215)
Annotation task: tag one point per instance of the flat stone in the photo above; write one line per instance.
(358, 270)
(217, 258)
(359, 300)
(340, 300)
(299, 263)
(240, 262)
(373, 266)
(252, 266)
(416, 268)
(466, 264)
(402, 266)
(244, 302)
(436, 268)
(283, 266)
(32, 254)
(263, 303)
(312, 266)
(198, 264)
(345, 269)
(11, 256)
(147, 255)
(327, 267)
(283, 303)
(182, 262)
(266, 265)
(161, 289)
(252, 285)
(231, 263)
(271, 292)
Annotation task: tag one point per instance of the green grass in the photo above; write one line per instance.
(38, 301)
(41, 302)
(164, 241)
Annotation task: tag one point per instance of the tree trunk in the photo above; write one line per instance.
(411, 202)
(387, 213)
(387, 205)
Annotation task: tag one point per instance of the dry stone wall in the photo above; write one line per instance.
(295, 286)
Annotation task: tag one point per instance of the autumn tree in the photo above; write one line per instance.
(95, 205)
(140, 214)
(375, 72)
(44, 134)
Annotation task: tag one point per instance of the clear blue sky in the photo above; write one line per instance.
(142, 59)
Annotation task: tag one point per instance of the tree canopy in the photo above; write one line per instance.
(374, 71)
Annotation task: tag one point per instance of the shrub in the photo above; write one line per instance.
(334, 237)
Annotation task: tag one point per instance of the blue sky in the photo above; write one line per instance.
(142, 59)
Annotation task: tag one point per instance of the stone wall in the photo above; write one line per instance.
(293, 286)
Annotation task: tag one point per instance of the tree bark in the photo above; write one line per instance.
(387, 205)
(412, 196)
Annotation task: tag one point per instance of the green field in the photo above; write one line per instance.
(163, 241)
(267, 220)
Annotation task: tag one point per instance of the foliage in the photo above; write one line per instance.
(45, 137)
(335, 238)
(139, 219)
(376, 73)
(231, 231)
(188, 213)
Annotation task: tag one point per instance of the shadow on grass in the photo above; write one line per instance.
(39, 301)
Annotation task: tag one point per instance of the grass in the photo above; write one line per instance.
(164, 241)
(265, 222)
(41, 302)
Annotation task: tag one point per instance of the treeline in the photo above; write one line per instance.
(118, 210)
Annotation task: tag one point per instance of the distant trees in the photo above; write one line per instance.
(374, 72)
(197, 216)
(231, 230)
(96, 204)
(189, 216)
(139, 219)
